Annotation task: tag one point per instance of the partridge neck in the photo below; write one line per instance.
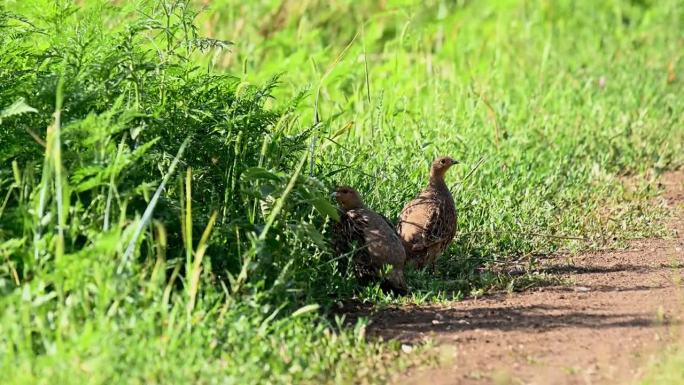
(352, 206)
(437, 181)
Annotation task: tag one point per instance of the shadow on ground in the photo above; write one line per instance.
(409, 324)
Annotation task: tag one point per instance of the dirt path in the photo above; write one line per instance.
(619, 309)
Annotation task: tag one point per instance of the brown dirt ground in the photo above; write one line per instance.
(618, 311)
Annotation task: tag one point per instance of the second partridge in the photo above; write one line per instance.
(427, 224)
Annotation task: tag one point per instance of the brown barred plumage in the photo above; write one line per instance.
(370, 238)
(427, 224)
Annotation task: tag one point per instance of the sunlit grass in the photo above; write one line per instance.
(164, 206)
(546, 103)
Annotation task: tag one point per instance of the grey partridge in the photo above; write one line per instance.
(427, 224)
(371, 238)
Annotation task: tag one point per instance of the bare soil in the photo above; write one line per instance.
(617, 310)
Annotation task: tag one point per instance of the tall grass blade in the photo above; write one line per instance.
(365, 63)
(197, 265)
(236, 284)
(147, 215)
(281, 201)
(187, 219)
(316, 117)
(57, 166)
(112, 187)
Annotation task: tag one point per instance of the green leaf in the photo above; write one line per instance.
(259, 173)
(305, 309)
(10, 246)
(16, 108)
(325, 208)
(311, 232)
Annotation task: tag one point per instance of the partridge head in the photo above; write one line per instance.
(347, 198)
(440, 166)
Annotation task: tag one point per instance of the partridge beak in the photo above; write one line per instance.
(454, 161)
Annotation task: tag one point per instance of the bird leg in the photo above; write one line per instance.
(433, 267)
(424, 245)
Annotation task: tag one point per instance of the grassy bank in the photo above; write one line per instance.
(164, 195)
(555, 99)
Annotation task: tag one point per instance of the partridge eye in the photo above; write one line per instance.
(442, 161)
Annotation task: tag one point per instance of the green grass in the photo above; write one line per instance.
(164, 205)
(669, 371)
(667, 367)
(555, 98)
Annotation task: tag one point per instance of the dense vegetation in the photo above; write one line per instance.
(165, 194)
